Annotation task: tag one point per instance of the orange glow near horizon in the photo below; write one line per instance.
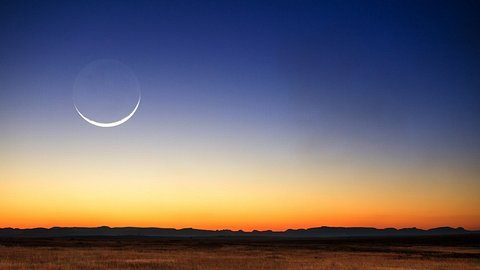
(206, 196)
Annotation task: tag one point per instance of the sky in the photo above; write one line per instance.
(253, 115)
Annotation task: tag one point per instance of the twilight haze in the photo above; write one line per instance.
(268, 115)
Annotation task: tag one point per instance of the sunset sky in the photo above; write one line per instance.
(253, 115)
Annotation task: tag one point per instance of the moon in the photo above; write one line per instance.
(106, 93)
(109, 124)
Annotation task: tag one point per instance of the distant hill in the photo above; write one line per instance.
(189, 232)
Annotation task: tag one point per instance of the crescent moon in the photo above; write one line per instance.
(109, 124)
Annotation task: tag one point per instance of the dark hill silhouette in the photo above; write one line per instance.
(189, 232)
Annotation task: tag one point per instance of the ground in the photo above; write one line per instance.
(448, 252)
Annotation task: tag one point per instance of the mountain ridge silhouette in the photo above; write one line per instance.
(323, 231)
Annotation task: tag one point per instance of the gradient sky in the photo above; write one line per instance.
(260, 115)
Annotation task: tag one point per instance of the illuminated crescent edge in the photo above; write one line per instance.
(111, 124)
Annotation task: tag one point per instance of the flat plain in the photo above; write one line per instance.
(134, 252)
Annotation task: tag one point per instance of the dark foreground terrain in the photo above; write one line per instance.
(124, 252)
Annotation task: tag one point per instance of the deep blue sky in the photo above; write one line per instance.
(400, 71)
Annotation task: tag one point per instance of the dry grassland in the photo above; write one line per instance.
(236, 256)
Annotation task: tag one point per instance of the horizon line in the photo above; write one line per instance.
(239, 230)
